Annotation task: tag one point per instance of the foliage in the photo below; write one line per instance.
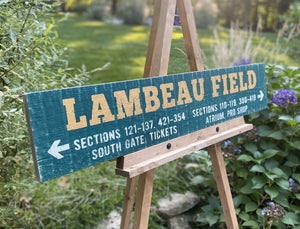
(132, 12)
(242, 44)
(291, 26)
(30, 60)
(248, 13)
(79, 6)
(263, 165)
(96, 11)
(237, 47)
(205, 12)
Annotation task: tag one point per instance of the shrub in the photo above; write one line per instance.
(96, 12)
(79, 6)
(237, 47)
(263, 164)
(240, 46)
(132, 12)
(291, 26)
(30, 60)
(205, 14)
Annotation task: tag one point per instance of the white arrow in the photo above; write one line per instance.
(55, 149)
(261, 95)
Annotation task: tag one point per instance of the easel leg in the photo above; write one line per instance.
(219, 168)
(160, 39)
(143, 200)
(190, 35)
(128, 202)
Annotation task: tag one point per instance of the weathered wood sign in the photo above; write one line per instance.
(78, 127)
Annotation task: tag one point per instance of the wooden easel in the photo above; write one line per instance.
(143, 163)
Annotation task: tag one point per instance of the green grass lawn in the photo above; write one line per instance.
(95, 43)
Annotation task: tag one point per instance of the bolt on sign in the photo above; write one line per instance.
(74, 128)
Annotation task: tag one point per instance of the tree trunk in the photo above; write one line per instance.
(114, 5)
(246, 13)
(256, 13)
(266, 16)
(284, 5)
(230, 12)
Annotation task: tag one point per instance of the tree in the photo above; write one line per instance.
(114, 7)
(246, 13)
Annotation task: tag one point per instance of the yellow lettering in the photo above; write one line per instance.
(183, 92)
(100, 100)
(232, 80)
(225, 87)
(72, 124)
(166, 94)
(251, 79)
(127, 104)
(197, 96)
(243, 86)
(151, 93)
(214, 80)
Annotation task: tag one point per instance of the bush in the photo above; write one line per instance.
(78, 6)
(263, 164)
(30, 60)
(96, 12)
(237, 47)
(291, 26)
(205, 14)
(241, 45)
(132, 13)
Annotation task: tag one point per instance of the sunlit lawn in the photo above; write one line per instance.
(95, 43)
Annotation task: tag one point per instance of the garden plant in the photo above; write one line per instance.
(263, 164)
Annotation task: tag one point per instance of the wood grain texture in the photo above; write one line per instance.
(157, 59)
(141, 156)
(128, 202)
(145, 165)
(188, 25)
(74, 128)
(143, 200)
(221, 178)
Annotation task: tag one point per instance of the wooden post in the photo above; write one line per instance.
(219, 168)
(128, 202)
(190, 36)
(159, 45)
(194, 55)
(157, 61)
(143, 200)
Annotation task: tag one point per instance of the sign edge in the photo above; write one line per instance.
(33, 151)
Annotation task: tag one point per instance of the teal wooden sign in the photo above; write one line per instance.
(78, 127)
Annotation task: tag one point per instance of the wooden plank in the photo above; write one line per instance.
(223, 186)
(74, 128)
(177, 143)
(128, 202)
(36, 171)
(143, 200)
(188, 25)
(159, 45)
(160, 159)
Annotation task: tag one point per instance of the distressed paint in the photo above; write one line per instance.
(74, 128)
